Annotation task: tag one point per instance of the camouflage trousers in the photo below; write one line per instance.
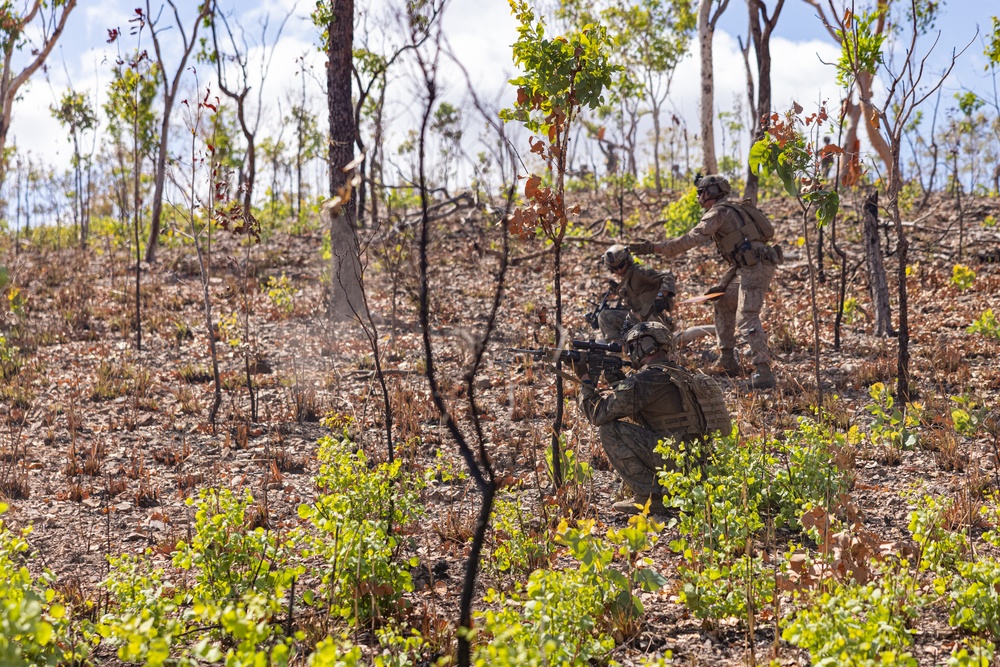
(614, 322)
(630, 448)
(740, 308)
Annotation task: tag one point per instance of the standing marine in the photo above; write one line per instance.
(741, 233)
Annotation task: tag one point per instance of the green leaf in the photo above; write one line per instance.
(650, 580)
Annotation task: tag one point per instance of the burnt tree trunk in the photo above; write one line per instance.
(877, 282)
(346, 299)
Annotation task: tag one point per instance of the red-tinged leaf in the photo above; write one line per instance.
(522, 96)
(600, 134)
(829, 149)
(874, 119)
(852, 172)
(797, 107)
(531, 187)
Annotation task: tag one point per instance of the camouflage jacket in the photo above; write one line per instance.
(721, 224)
(663, 398)
(639, 288)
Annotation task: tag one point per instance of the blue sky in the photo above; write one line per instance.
(480, 33)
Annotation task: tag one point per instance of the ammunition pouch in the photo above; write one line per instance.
(749, 255)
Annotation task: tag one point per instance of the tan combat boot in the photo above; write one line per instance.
(762, 378)
(729, 364)
(635, 505)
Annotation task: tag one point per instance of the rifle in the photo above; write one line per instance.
(599, 357)
(592, 316)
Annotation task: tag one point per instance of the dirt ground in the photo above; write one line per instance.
(100, 444)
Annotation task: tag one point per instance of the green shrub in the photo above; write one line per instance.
(860, 625)
(518, 546)
(682, 215)
(728, 492)
(562, 617)
(357, 516)
(986, 325)
(962, 276)
(35, 623)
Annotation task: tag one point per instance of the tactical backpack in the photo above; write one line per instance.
(704, 407)
(753, 218)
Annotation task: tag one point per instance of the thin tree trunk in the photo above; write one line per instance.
(876, 268)
(169, 96)
(345, 289)
(706, 36)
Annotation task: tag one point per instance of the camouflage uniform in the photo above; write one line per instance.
(661, 401)
(751, 269)
(638, 291)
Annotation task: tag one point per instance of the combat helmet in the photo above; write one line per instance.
(714, 185)
(617, 256)
(645, 338)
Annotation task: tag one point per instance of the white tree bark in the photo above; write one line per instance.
(11, 82)
(706, 33)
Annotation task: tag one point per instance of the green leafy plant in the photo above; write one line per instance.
(973, 596)
(962, 276)
(862, 625)
(35, 622)
(565, 616)
(680, 216)
(228, 557)
(10, 359)
(729, 492)
(986, 325)
(281, 293)
(892, 430)
(851, 310)
(356, 517)
(573, 470)
(979, 653)
(940, 549)
(519, 546)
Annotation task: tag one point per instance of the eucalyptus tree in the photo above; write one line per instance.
(309, 143)
(863, 53)
(561, 76)
(44, 18)
(650, 38)
(132, 126)
(169, 97)
(447, 125)
(336, 19)
(372, 64)
(232, 67)
(709, 12)
(761, 25)
(76, 113)
(862, 112)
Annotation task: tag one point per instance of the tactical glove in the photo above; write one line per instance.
(581, 365)
(614, 375)
(716, 289)
(661, 304)
(643, 247)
